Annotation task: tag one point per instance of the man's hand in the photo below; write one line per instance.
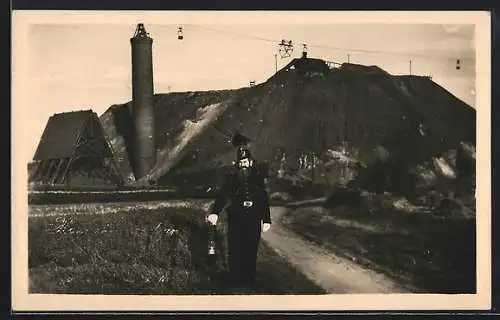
(212, 218)
(266, 226)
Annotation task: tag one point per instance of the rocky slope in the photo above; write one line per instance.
(312, 122)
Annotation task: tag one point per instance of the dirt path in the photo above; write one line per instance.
(332, 273)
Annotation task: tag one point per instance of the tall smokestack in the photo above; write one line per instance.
(144, 146)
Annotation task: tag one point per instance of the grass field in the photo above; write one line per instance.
(41, 197)
(430, 251)
(147, 248)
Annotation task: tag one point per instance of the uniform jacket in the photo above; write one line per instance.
(235, 192)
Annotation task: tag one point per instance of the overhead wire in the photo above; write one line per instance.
(313, 45)
(459, 60)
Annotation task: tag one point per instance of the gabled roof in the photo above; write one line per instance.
(61, 133)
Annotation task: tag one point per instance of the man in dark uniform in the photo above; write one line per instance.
(248, 214)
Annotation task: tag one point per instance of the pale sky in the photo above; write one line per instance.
(87, 66)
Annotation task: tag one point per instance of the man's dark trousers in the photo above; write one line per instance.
(244, 233)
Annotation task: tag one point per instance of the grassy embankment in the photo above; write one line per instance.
(138, 249)
(432, 250)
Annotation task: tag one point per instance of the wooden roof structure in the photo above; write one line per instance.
(73, 145)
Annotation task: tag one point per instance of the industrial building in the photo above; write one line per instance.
(143, 144)
(74, 151)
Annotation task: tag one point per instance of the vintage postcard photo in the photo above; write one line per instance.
(251, 160)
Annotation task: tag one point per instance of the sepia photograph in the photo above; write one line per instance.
(251, 160)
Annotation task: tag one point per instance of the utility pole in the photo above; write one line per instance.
(348, 58)
(410, 67)
(286, 47)
(275, 63)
